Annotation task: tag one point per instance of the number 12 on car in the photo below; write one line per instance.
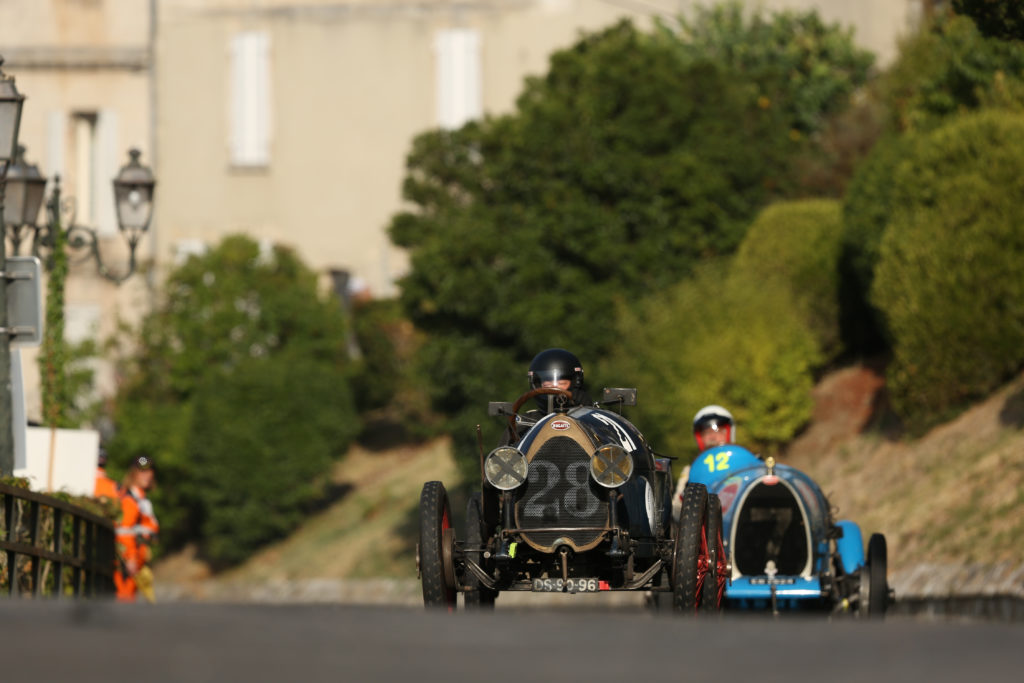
(717, 462)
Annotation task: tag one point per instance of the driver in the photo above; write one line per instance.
(557, 369)
(713, 426)
(552, 369)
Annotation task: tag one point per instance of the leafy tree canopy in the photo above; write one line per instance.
(951, 68)
(995, 18)
(808, 67)
(243, 362)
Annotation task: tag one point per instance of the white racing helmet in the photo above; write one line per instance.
(713, 417)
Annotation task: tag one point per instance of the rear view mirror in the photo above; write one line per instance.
(621, 396)
(502, 408)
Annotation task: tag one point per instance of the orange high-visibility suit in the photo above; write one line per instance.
(105, 486)
(136, 533)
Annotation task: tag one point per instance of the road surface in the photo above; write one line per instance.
(105, 642)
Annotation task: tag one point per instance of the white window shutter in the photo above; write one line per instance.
(249, 118)
(459, 91)
(105, 169)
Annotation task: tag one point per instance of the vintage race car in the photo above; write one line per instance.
(575, 502)
(784, 549)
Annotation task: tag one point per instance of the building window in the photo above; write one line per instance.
(93, 145)
(249, 108)
(458, 77)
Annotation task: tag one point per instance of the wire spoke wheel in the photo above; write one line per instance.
(713, 588)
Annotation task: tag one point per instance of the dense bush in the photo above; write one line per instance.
(949, 69)
(721, 337)
(263, 437)
(948, 278)
(237, 386)
(389, 391)
(798, 244)
(867, 207)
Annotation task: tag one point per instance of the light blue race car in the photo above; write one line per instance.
(785, 551)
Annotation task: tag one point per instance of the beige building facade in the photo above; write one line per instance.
(288, 120)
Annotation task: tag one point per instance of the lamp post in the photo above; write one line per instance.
(133, 200)
(11, 102)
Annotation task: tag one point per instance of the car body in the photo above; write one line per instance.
(575, 501)
(784, 549)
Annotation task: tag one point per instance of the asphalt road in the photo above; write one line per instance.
(87, 642)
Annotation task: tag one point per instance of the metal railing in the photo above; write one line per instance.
(49, 547)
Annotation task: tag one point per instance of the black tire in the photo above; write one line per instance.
(477, 596)
(714, 582)
(435, 517)
(686, 563)
(878, 569)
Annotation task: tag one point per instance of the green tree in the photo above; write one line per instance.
(801, 64)
(951, 68)
(628, 163)
(257, 483)
(995, 18)
(243, 361)
(948, 278)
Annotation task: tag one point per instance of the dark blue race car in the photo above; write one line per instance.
(575, 501)
(784, 548)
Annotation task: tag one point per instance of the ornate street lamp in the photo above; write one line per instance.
(133, 199)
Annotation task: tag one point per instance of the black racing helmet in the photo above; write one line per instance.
(551, 365)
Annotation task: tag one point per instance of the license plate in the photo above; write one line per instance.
(566, 585)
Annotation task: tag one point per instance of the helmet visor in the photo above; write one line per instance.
(712, 431)
(554, 378)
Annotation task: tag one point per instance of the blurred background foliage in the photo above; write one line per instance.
(948, 278)
(716, 210)
(239, 387)
(635, 158)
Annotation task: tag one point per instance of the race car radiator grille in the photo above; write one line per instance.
(560, 494)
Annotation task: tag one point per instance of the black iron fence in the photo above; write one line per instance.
(49, 547)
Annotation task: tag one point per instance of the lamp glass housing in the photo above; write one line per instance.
(11, 102)
(133, 195)
(24, 192)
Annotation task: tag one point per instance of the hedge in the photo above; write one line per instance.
(949, 277)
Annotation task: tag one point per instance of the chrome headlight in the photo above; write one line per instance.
(506, 468)
(611, 465)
